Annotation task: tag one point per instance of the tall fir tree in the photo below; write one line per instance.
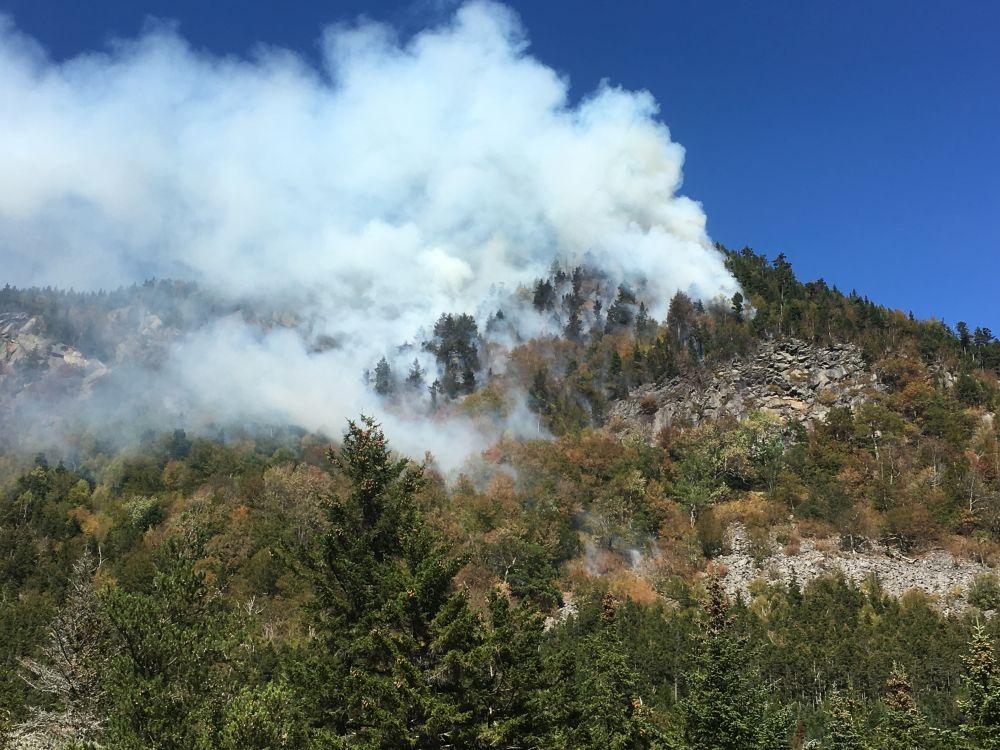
(842, 730)
(392, 664)
(727, 707)
(981, 704)
(614, 714)
(902, 725)
(511, 706)
(173, 660)
(383, 378)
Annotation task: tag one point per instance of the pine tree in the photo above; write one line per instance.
(680, 318)
(612, 711)
(574, 328)
(577, 281)
(171, 665)
(737, 306)
(383, 378)
(511, 707)
(982, 337)
(642, 323)
(68, 669)
(267, 717)
(597, 326)
(982, 687)
(415, 377)
(964, 339)
(617, 386)
(540, 398)
(842, 731)
(902, 726)
(727, 707)
(392, 664)
(468, 380)
(544, 295)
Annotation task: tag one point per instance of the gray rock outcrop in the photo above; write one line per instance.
(31, 360)
(788, 378)
(937, 573)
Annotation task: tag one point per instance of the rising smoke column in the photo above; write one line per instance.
(402, 179)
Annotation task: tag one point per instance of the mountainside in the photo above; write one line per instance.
(831, 465)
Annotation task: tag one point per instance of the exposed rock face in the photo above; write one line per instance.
(789, 379)
(565, 612)
(30, 360)
(938, 573)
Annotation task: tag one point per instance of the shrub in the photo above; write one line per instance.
(984, 592)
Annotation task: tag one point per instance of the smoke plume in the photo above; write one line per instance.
(400, 179)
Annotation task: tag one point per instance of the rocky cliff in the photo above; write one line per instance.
(788, 378)
(30, 361)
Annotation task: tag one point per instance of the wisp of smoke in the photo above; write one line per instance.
(400, 179)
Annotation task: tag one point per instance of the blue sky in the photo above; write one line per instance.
(859, 138)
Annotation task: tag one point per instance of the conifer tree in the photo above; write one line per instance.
(642, 322)
(574, 328)
(171, 665)
(617, 386)
(391, 666)
(964, 339)
(68, 670)
(511, 707)
(981, 727)
(982, 337)
(842, 732)
(383, 378)
(727, 707)
(903, 726)
(415, 377)
(613, 713)
(737, 306)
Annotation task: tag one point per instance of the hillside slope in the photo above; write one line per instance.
(782, 445)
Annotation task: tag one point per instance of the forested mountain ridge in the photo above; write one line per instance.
(258, 590)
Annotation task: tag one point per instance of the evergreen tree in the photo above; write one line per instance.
(540, 397)
(598, 326)
(612, 713)
(737, 306)
(982, 686)
(383, 378)
(982, 337)
(450, 384)
(574, 328)
(617, 386)
(268, 717)
(620, 311)
(642, 322)
(577, 282)
(391, 666)
(511, 706)
(662, 363)
(680, 318)
(544, 295)
(468, 380)
(67, 672)
(902, 726)
(172, 661)
(415, 377)
(964, 339)
(727, 707)
(842, 732)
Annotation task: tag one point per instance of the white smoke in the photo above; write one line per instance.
(401, 180)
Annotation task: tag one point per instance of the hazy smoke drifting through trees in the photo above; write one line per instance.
(400, 179)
